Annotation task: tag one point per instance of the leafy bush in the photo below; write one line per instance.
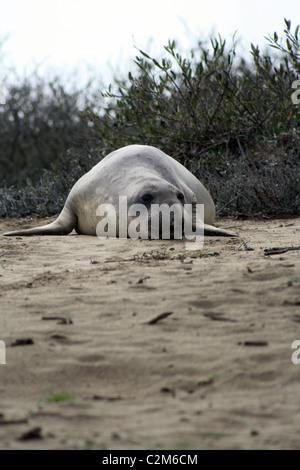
(207, 101)
(231, 123)
(38, 124)
(46, 196)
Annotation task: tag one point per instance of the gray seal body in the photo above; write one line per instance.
(143, 174)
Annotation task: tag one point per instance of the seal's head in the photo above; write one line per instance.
(164, 203)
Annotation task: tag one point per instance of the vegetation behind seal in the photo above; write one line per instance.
(231, 122)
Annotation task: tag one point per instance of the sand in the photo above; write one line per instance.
(215, 373)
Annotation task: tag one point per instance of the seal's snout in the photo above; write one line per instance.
(166, 220)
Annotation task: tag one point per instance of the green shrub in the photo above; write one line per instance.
(38, 124)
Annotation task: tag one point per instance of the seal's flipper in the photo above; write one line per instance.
(63, 225)
(210, 230)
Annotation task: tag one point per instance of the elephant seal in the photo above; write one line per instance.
(143, 174)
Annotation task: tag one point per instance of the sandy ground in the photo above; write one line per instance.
(216, 373)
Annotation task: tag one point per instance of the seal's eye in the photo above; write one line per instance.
(147, 198)
(180, 196)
